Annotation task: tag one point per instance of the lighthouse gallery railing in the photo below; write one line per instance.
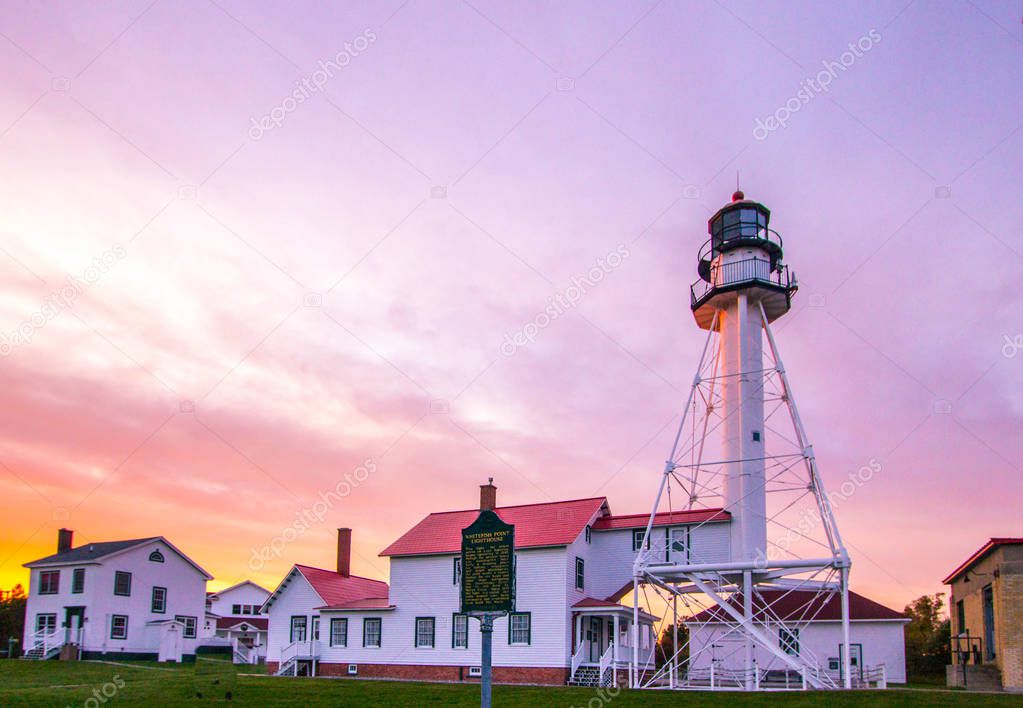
(747, 270)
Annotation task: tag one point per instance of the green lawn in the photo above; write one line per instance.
(54, 683)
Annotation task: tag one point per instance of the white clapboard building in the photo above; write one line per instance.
(135, 599)
(573, 566)
(803, 627)
(233, 617)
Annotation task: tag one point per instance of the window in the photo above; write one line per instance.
(456, 573)
(298, 627)
(519, 629)
(788, 640)
(315, 634)
(159, 602)
(425, 632)
(49, 582)
(460, 632)
(78, 581)
(236, 609)
(189, 622)
(122, 583)
(338, 632)
(46, 623)
(580, 574)
(637, 539)
(156, 556)
(589, 536)
(960, 618)
(678, 545)
(371, 632)
(119, 626)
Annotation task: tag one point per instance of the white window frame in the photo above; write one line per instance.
(513, 630)
(113, 624)
(426, 632)
(190, 623)
(338, 631)
(46, 621)
(163, 601)
(459, 636)
(378, 623)
(49, 588)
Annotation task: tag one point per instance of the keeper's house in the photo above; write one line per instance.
(232, 617)
(573, 566)
(137, 599)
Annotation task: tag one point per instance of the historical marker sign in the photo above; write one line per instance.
(488, 565)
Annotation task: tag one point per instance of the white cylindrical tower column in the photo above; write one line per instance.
(742, 270)
(743, 448)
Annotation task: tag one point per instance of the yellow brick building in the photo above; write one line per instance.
(986, 608)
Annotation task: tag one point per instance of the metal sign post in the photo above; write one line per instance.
(488, 583)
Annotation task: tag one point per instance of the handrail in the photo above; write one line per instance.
(747, 270)
(605, 661)
(45, 642)
(580, 654)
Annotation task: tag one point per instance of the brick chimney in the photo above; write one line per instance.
(344, 552)
(488, 495)
(64, 540)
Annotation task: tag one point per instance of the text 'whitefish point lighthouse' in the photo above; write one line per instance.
(741, 448)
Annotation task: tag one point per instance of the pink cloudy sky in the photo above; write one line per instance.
(192, 391)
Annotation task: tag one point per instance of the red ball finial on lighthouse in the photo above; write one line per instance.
(738, 196)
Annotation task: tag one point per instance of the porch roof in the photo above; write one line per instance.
(590, 605)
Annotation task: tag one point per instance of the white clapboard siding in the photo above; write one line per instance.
(422, 586)
(298, 598)
(881, 640)
(709, 543)
(186, 595)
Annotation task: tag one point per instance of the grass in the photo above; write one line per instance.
(55, 683)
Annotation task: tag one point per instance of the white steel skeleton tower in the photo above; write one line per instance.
(735, 615)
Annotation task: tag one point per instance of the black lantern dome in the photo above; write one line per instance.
(743, 253)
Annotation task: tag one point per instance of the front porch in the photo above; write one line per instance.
(603, 639)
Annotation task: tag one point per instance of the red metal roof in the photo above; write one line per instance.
(536, 525)
(335, 589)
(259, 623)
(801, 605)
(593, 602)
(979, 554)
(664, 518)
(369, 603)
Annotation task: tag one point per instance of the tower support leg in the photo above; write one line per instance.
(846, 658)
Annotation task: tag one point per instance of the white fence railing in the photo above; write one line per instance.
(44, 642)
(581, 652)
(606, 662)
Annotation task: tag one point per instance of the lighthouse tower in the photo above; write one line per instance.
(741, 270)
(741, 453)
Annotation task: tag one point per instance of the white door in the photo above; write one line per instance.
(170, 643)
